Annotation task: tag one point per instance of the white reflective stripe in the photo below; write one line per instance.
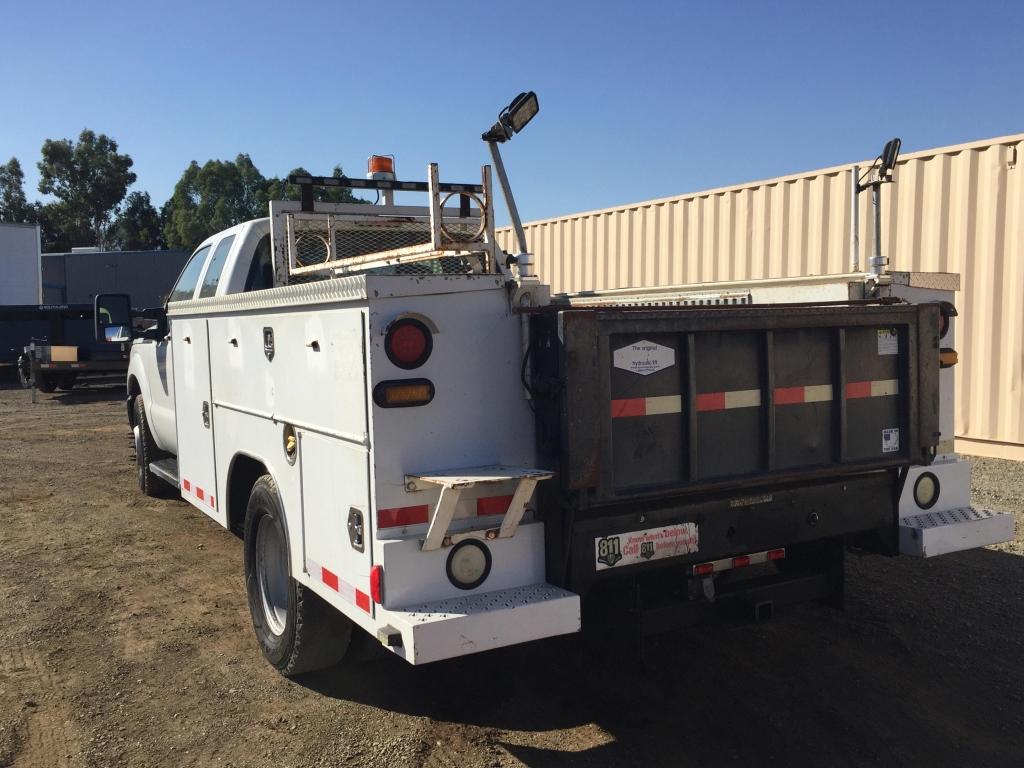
(663, 404)
(743, 398)
(885, 387)
(817, 393)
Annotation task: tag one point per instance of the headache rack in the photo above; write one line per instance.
(318, 240)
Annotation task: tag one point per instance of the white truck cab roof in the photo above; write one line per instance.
(241, 255)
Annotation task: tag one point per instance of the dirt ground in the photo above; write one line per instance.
(125, 641)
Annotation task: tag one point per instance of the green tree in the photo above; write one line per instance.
(14, 206)
(89, 178)
(220, 194)
(137, 226)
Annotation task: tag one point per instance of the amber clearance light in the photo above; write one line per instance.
(403, 393)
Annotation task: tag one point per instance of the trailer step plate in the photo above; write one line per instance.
(938, 533)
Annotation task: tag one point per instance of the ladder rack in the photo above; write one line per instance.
(316, 239)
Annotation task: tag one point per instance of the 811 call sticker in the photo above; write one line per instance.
(641, 546)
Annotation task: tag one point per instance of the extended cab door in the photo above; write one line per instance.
(193, 396)
(197, 471)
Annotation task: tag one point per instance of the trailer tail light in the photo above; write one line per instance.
(408, 343)
(403, 393)
(377, 584)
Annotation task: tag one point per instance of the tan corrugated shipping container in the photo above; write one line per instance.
(952, 209)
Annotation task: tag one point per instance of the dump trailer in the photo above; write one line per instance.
(415, 439)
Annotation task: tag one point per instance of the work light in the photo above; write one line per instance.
(514, 117)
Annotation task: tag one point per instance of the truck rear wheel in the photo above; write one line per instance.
(146, 452)
(296, 629)
(45, 383)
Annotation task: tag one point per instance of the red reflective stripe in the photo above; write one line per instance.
(199, 493)
(630, 406)
(212, 503)
(186, 485)
(789, 395)
(330, 579)
(712, 401)
(703, 569)
(856, 389)
(740, 561)
(776, 554)
(397, 516)
(362, 599)
(493, 505)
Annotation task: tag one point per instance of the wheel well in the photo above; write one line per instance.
(242, 476)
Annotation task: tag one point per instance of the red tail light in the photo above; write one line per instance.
(408, 343)
(377, 584)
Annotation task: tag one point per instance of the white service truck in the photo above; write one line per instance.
(415, 439)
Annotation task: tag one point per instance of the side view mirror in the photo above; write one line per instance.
(112, 315)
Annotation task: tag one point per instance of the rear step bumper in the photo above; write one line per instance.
(460, 626)
(938, 533)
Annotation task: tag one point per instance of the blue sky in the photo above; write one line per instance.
(638, 99)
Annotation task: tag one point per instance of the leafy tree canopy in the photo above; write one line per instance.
(14, 206)
(137, 226)
(220, 194)
(89, 178)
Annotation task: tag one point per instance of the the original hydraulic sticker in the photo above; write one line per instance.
(890, 440)
(644, 357)
(641, 546)
(888, 341)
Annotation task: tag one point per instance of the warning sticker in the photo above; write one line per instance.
(888, 341)
(641, 546)
(890, 440)
(644, 357)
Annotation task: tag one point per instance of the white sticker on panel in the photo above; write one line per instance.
(888, 341)
(644, 357)
(642, 546)
(890, 440)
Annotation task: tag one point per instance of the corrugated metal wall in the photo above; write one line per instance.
(952, 209)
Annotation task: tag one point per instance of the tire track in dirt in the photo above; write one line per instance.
(41, 738)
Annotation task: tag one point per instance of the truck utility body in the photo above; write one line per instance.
(415, 439)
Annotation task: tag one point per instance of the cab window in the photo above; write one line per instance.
(261, 270)
(186, 285)
(212, 277)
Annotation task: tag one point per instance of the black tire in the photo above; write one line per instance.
(146, 452)
(46, 383)
(314, 634)
(67, 381)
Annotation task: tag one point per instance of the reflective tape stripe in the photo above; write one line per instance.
(330, 579)
(395, 517)
(750, 398)
(880, 388)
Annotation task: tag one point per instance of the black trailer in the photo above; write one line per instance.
(57, 345)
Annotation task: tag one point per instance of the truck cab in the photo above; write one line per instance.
(236, 260)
